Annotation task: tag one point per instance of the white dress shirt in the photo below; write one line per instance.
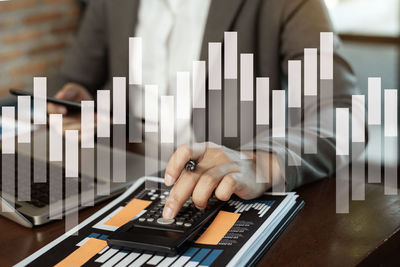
(172, 34)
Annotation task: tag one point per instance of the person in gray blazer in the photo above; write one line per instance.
(176, 32)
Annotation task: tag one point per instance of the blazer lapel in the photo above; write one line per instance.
(220, 18)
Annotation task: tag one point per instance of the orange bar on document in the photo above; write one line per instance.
(84, 253)
(128, 212)
(218, 228)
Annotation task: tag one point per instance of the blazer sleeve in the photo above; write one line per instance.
(302, 22)
(86, 60)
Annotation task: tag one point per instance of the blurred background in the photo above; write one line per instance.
(35, 33)
(33, 37)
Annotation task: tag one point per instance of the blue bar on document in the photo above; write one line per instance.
(94, 235)
(211, 257)
(103, 237)
(190, 252)
(199, 256)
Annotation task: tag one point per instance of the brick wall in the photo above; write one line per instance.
(33, 37)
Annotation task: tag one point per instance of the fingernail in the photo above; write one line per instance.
(199, 208)
(167, 213)
(168, 180)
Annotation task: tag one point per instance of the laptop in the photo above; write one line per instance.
(37, 211)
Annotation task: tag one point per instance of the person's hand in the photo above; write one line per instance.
(219, 170)
(71, 92)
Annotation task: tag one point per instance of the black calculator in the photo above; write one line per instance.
(152, 232)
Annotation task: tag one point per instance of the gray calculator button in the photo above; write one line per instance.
(153, 198)
(187, 224)
(153, 190)
(142, 219)
(149, 193)
(179, 223)
(162, 197)
(165, 221)
(166, 193)
(150, 219)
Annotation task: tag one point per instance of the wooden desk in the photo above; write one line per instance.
(316, 237)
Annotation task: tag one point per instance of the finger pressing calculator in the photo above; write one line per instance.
(152, 232)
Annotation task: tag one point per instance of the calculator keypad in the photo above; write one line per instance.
(187, 217)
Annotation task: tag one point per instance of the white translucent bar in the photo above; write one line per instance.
(103, 113)
(183, 105)
(87, 124)
(390, 170)
(342, 187)
(214, 66)
(358, 171)
(374, 101)
(230, 55)
(310, 124)
(374, 151)
(8, 130)
(71, 153)
(151, 164)
(87, 171)
(294, 123)
(55, 137)
(24, 119)
(56, 190)
(39, 100)
(342, 131)
(326, 55)
(135, 60)
(71, 203)
(8, 183)
(8, 158)
(262, 101)
(326, 109)
(246, 77)
(278, 113)
(119, 100)
(119, 153)
(103, 166)
(199, 84)
(358, 118)
(151, 110)
(24, 177)
(294, 84)
(262, 158)
(246, 127)
(278, 185)
(167, 119)
(390, 113)
(40, 151)
(135, 109)
(310, 71)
